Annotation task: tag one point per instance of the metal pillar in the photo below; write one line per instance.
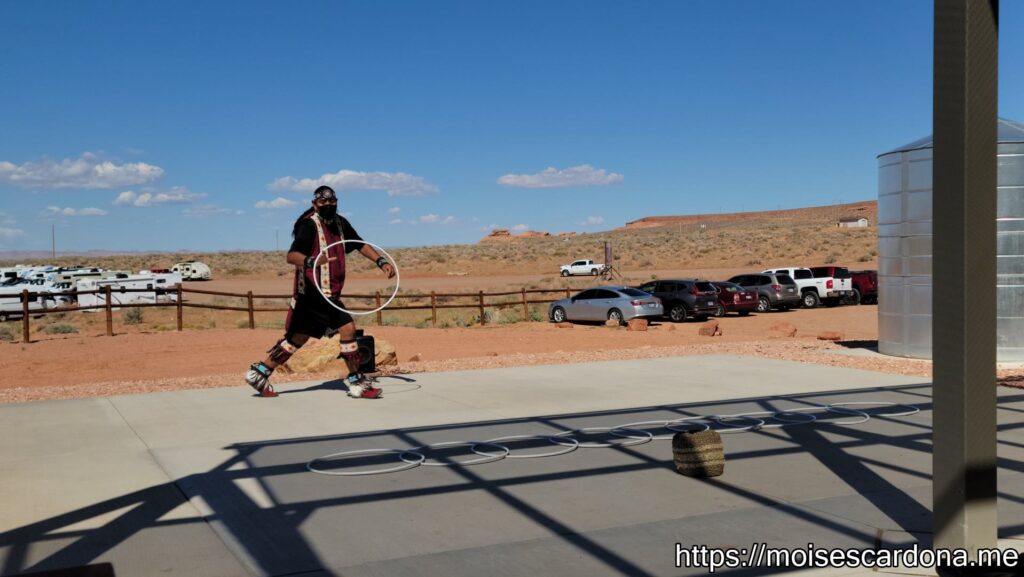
(964, 297)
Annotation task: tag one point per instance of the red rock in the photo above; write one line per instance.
(639, 325)
(564, 325)
(710, 329)
(782, 329)
(831, 336)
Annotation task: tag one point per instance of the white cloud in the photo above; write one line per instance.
(206, 210)
(279, 202)
(395, 183)
(9, 233)
(87, 171)
(449, 220)
(396, 221)
(176, 195)
(520, 228)
(593, 221)
(429, 218)
(551, 177)
(489, 227)
(394, 210)
(58, 211)
(436, 219)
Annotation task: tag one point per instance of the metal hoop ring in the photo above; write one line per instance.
(864, 417)
(508, 455)
(913, 409)
(734, 429)
(392, 262)
(403, 467)
(638, 426)
(631, 440)
(470, 444)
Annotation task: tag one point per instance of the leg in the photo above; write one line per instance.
(359, 385)
(259, 372)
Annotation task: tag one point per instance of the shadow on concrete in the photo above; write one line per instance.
(270, 537)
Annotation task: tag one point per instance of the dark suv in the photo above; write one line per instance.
(774, 291)
(684, 297)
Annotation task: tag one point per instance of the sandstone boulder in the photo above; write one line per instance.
(782, 329)
(639, 325)
(710, 328)
(322, 355)
(831, 336)
(564, 325)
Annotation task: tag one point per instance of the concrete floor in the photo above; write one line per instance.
(214, 482)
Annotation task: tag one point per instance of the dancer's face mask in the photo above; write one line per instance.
(327, 211)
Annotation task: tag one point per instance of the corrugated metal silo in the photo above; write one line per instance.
(905, 247)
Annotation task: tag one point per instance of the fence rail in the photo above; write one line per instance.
(179, 303)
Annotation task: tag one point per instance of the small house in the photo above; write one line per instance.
(852, 222)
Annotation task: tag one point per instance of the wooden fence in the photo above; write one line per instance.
(181, 304)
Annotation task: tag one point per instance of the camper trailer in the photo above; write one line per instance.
(192, 270)
(160, 287)
(11, 293)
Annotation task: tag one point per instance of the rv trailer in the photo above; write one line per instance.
(160, 288)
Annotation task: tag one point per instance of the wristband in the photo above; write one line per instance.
(309, 262)
(381, 261)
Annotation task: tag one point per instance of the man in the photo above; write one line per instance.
(316, 281)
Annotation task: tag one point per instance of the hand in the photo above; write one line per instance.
(388, 270)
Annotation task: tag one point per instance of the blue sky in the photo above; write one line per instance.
(205, 125)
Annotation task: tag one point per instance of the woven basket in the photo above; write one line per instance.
(698, 454)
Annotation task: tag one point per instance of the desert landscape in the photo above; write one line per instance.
(147, 353)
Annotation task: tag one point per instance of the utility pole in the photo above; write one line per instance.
(276, 246)
(53, 240)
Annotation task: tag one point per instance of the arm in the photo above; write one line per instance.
(373, 255)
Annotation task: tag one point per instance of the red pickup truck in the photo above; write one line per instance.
(865, 287)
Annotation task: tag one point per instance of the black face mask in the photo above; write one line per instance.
(327, 211)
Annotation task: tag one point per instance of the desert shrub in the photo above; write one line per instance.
(753, 262)
(236, 271)
(831, 258)
(864, 258)
(59, 329)
(391, 321)
(132, 317)
(6, 334)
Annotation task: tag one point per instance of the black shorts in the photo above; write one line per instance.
(312, 315)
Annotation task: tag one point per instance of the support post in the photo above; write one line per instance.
(380, 314)
(181, 308)
(964, 302)
(433, 308)
(526, 307)
(483, 321)
(110, 312)
(25, 322)
(252, 314)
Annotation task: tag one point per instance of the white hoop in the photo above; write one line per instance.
(406, 465)
(490, 458)
(631, 440)
(733, 428)
(392, 262)
(913, 410)
(554, 453)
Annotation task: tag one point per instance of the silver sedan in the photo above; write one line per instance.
(616, 303)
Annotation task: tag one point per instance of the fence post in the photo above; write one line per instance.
(380, 314)
(433, 308)
(482, 320)
(252, 316)
(566, 293)
(526, 308)
(24, 316)
(180, 308)
(110, 314)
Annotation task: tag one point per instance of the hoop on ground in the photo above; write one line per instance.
(509, 454)
(913, 409)
(391, 261)
(720, 419)
(406, 465)
(629, 442)
(807, 418)
(864, 417)
(471, 444)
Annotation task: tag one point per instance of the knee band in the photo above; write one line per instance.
(350, 352)
(282, 351)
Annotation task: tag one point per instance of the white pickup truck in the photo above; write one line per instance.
(818, 285)
(582, 267)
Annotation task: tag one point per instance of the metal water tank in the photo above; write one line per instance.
(905, 247)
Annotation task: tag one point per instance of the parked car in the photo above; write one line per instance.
(733, 297)
(838, 283)
(774, 291)
(812, 290)
(582, 267)
(865, 287)
(684, 297)
(613, 303)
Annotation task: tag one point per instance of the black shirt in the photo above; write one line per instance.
(305, 235)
